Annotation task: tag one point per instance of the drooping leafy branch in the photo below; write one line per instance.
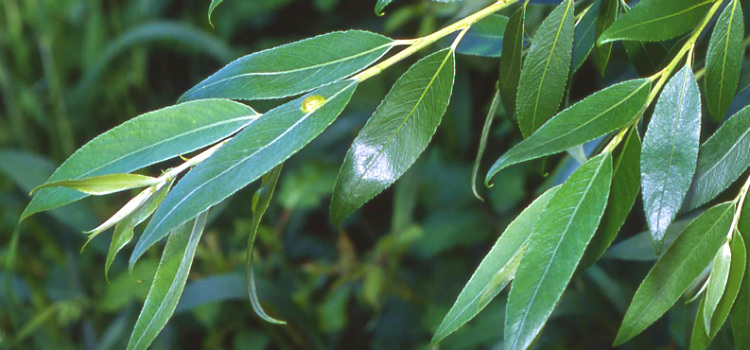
(565, 230)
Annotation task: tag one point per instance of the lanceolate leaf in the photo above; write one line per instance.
(646, 57)
(557, 244)
(724, 60)
(607, 15)
(211, 9)
(510, 63)
(147, 139)
(168, 283)
(741, 309)
(123, 233)
(483, 142)
(594, 116)
(104, 184)
(657, 20)
(717, 283)
(294, 68)
(584, 37)
(253, 152)
(626, 180)
(261, 201)
(701, 338)
(396, 134)
(508, 247)
(722, 159)
(545, 69)
(676, 270)
(670, 152)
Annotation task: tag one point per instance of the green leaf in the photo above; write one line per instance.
(380, 6)
(483, 142)
(717, 283)
(261, 201)
(484, 38)
(144, 140)
(510, 63)
(558, 242)
(646, 57)
(741, 310)
(123, 233)
(670, 152)
(396, 134)
(701, 338)
(607, 15)
(594, 116)
(641, 247)
(211, 9)
(104, 184)
(168, 283)
(584, 37)
(294, 68)
(626, 180)
(479, 291)
(724, 60)
(676, 270)
(253, 152)
(545, 69)
(657, 20)
(721, 160)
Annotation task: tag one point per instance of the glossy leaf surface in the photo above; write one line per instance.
(294, 68)
(559, 240)
(717, 283)
(144, 140)
(545, 69)
(721, 160)
(657, 20)
(594, 116)
(670, 152)
(724, 60)
(584, 37)
(676, 270)
(256, 150)
(168, 283)
(607, 14)
(396, 134)
(508, 247)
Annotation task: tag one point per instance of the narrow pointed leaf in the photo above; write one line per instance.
(510, 63)
(607, 15)
(380, 6)
(211, 9)
(168, 283)
(594, 116)
(104, 184)
(626, 181)
(123, 233)
(717, 283)
(508, 247)
(256, 150)
(657, 20)
(641, 248)
(584, 37)
(261, 201)
(676, 270)
(396, 134)
(670, 152)
(294, 68)
(721, 160)
(559, 240)
(740, 313)
(144, 140)
(483, 142)
(545, 70)
(724, 60)
(701, 339)
(129, 208)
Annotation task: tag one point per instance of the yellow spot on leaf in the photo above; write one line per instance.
(312, 103)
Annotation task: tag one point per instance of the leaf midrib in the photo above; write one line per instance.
(642, 23)
(723, 157)
(726, 49)
(554, 253)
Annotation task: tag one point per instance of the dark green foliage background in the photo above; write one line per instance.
(72, 69)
